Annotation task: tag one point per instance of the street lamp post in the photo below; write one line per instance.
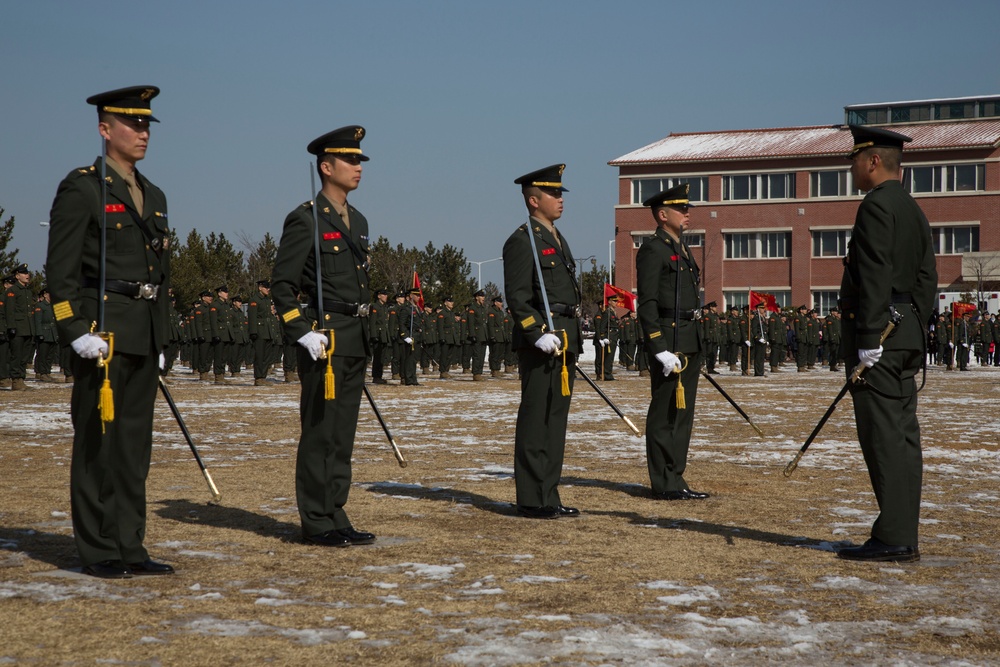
(611, 259)
(593, 263)
(479, 269)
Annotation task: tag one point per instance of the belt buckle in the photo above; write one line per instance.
(577, 311)
(148, 291)
(363, 310)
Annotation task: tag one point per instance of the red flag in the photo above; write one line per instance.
(767, 299)
(958, 308)
(416, 286)
(625, 299)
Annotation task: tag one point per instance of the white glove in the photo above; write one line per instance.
(315, 343)
(747, 343)
(670, 361)
(605, 342)
(761, 340)
(870, 357)
(549, 343)
(965, 345)
(89, 346)
(408, 340)
(163, 361)
(600, 341)
(950, 344)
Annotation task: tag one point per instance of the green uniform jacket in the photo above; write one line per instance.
(524, 296)
(344, 275)
(219, 322)
(494, 325)
(890, 260)
(663, 272)
(476, 317)
(259, 317)
(20, 313)
(447, 327)
(45, 322)
(202, 325)
(379, 322)
(74, 256)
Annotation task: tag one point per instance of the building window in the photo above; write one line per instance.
(945, 178)
(644, 188)
(831, 242)
(639, 239)
(758, 245)
(824, 301)
(955, 240)
(955, 111)
(743, 187)
(867, 116)
(911, 114)
(830, 183)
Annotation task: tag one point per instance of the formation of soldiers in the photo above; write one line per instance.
(28, 334)
(958, 342)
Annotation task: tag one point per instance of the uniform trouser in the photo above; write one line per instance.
(466, 356)
(220, 355)
(44, 358)
(833, 352)
(4, 360)
(496, 355)
(641, 362)
(66, 360)
(777, 354)
(235, 359)
(604, 361)
(428, 354)
(397, 352)
(963, 355)
(745, 358)
(169, 356)
(447, 349)
(261, 357)
(18, 346)
(323, 464)
(711, 352)
(205, 358)
(802, 355)
(510, 355)
(890, 440)
(289, 362)
(408, 363)
(540, 434)
(668, 428)
(378, 359)
(478, 357)
(108, 471)
(759, 353)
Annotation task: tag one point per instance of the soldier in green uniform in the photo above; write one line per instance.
(734, 336)
(776, 337)
(378, 320)
(5, 381)
(758, 339)
(45, 336)
(890, 264)
(540, 434)
(202, 358)
(510, 353)
(813, 327)
(429, 340)
(238, 324)
(963, 334)
(111, 459)
(408, 335)
(329, 423)
(174, 336)
(393, 329)
(667, 278)
(710, 331)
(448, 336)
(831, 338)
(220, 332)
(495, 335)
(626, 340)
(261, 331)
(743, 327)
(20, 324)
(605, 337)
(477, 332)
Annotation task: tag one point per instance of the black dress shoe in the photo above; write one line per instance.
(330, 538)
(877, 551)
(567, 511)
(671, 495)
(356, 536)
(379, 381)
(538, 512)
(108, 569)
(695, 495)
(150, 567)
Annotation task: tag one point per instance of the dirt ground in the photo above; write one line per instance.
(747, 577)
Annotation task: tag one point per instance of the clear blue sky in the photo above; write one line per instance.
(459, 98)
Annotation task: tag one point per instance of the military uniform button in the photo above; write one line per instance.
(118, 226)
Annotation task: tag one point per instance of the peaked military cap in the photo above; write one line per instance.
(222, 288)
(132, 102)
(549, 177)
(264, 283)
(415, 290)
(480, 293)
(448, 298)
(675, 196)
(875, 137)
(205, 293)
(382, 291)
(342, 141)
(21, 268)
(710, 304)
(498, 298)
(238, 298)
(400, 295)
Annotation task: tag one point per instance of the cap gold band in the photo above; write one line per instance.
(128, 112)
(858, 147)
(546, 184)
(671, 202)
(352, 151)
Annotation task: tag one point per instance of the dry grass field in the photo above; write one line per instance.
(748, 577)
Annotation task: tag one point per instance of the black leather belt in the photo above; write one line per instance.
(671, 313)
(341, 308)
(146, 291)
(563, 309)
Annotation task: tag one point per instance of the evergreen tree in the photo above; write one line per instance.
(8, 259)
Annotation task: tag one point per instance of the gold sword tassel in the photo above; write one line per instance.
(106, 401)
(679, 394)
(329, 393)
(565, 369)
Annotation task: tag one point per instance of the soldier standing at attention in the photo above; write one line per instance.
(20, 325)
(710, 334)
(889, 264)
(221, 331)
(477, 332)
(329, 423)
(203, 334)
(495, 333)
(758, 335)
(667, 279)
(540, 434)
(111, 459)
(259, 327)
(605, 337)
(447, 330)
(408, 334)
(45, 335)
(378, 322)
(831, 337)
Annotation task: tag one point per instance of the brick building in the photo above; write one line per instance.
(774, 207)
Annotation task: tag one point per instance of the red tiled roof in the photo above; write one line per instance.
(790, 142)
